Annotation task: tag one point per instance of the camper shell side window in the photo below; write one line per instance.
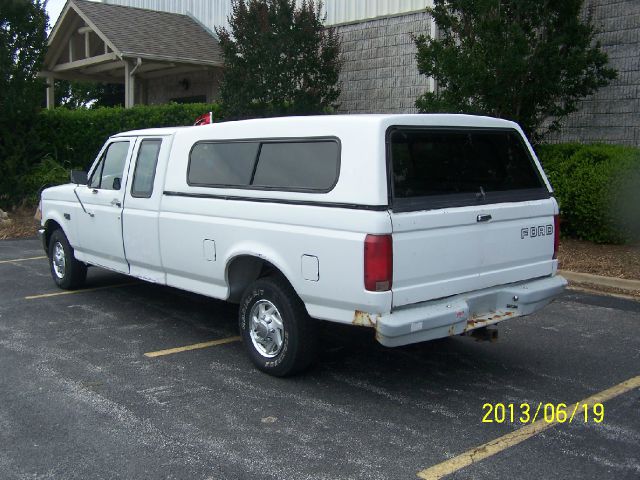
(296, 165)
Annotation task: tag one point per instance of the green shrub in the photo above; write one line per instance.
(46, 173)
(75, 136)
(58, 140)
(598, 189)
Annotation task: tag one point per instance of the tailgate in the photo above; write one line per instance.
(446, 252)
(470, 210)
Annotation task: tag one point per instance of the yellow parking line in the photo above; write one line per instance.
(22, 259)
(195, 346)
(70, 292)
(517, 436)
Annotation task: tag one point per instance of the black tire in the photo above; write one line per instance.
(298, 341)
(73, 273)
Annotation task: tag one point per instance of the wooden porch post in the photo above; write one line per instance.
(51, 94)
(130, 82)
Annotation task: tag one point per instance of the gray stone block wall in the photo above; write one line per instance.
(379, 74)
(612, 115)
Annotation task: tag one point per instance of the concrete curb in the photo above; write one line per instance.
(622, 284)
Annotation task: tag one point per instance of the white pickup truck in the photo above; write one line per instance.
(417, 226)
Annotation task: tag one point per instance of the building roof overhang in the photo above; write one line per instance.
(100, 42)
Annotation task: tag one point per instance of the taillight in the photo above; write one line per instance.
(378, 263)
(556, 236)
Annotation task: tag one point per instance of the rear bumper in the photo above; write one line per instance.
(466, 312)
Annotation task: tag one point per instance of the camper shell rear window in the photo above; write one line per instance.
(438, 167)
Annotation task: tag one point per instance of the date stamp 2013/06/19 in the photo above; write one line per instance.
(525, 413)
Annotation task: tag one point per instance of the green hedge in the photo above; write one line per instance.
(60, 139)
(598, 189)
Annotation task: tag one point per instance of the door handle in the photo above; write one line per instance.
(485, 217)
(116, 203)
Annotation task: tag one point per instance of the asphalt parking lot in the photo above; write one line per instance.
(80, 399)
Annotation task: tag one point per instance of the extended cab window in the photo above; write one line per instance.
(222, 163)
(306, 164)
(108, 173)
(298, 165)
(145, 172)
(436, 168)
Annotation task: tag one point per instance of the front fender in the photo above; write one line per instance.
(53, 219)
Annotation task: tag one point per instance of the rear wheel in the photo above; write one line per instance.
(277, 332)
(67, 272)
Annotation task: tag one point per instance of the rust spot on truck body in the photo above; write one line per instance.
(364, 319)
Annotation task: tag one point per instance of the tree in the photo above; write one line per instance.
(89, 94)
(279, 59)
(23, 40)
(530, 61)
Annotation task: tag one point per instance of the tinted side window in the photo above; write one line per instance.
(108, 173)
(222, 163)
(298, 165)
(145, 172)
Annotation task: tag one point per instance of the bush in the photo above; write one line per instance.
(598, 189)
(57, 140)
(76, 136)
(46, 173)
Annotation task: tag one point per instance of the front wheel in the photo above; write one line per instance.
(67, 272)
(276, 330)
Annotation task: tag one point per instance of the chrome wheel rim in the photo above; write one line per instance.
(58, 260)
(266, 328)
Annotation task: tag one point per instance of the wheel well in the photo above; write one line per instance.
(49, 227)
(243, 270)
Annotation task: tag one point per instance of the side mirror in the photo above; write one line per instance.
(78, 177)
(116, 183)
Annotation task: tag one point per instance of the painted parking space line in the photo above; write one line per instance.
(195, 346)
(71, 292)
(517, 436)
(23, 259)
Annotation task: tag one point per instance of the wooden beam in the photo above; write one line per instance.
(51, 94)
(62, 67)
(105, 67)
(173, 71)
(77, 76)
(72, 53)
(152, 67)
(55, 51)
(129, 85)
(87, 45)
(85, 29)
(172, 59)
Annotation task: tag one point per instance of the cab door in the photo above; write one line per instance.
(100, 227)
(140, 217)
